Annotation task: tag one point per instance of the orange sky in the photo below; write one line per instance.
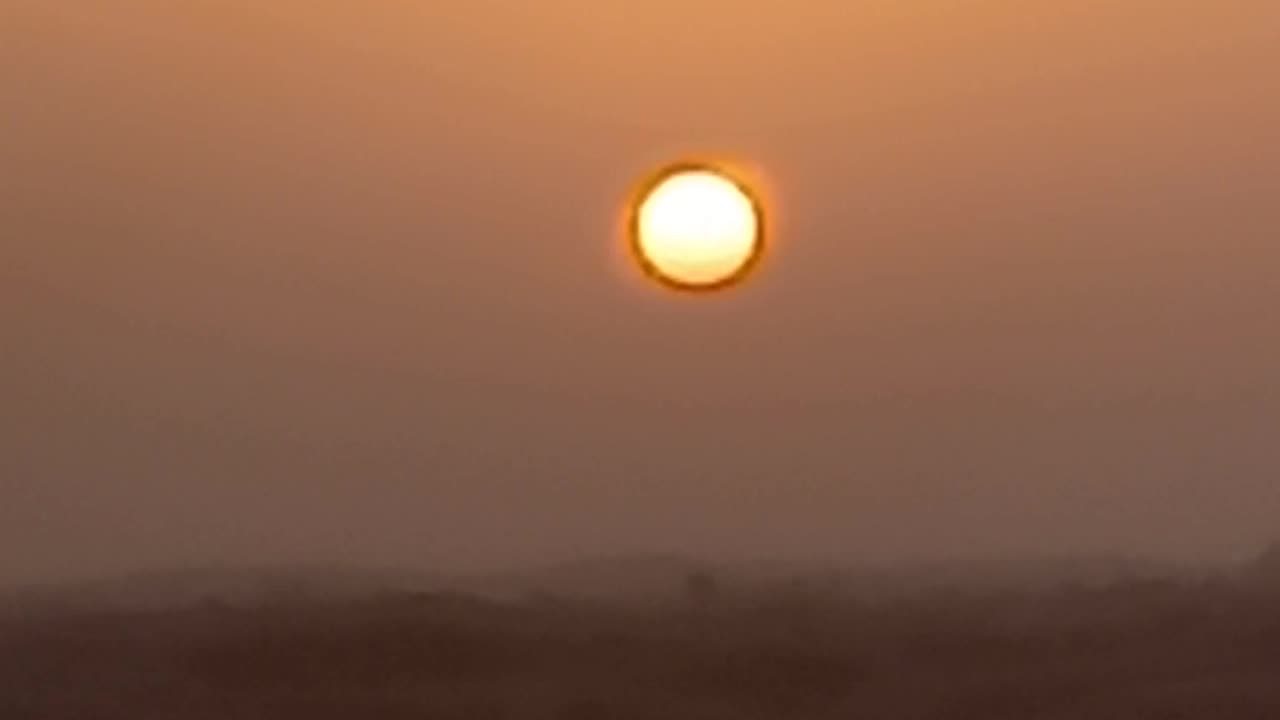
(338, 281)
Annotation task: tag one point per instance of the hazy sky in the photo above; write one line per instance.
(340, 281)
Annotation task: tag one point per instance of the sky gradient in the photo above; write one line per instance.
(341, 282)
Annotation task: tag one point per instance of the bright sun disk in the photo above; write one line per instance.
(696, 228)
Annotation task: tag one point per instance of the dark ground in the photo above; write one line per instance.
(1132, 651)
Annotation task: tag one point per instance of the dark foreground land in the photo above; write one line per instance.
(1159, 651)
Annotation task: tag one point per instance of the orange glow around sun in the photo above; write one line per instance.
(695, 227)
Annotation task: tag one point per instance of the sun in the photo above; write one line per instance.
(696, 227)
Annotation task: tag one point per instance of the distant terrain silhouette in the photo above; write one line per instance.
(327, 644)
